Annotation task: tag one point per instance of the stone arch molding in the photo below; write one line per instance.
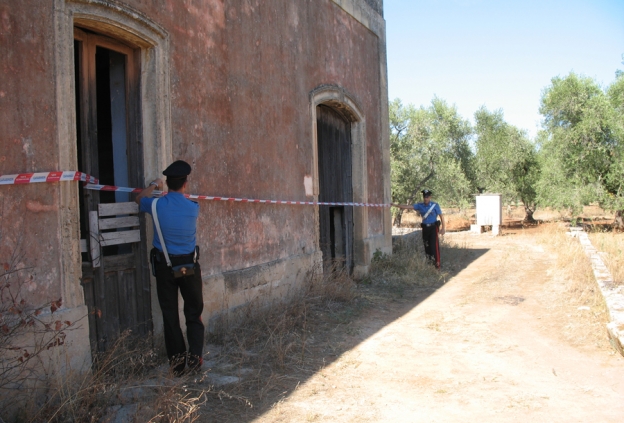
(339, 100)
(151, 41)
(118, 21)
(342, 102)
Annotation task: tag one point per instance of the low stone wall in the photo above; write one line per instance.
(613, 295)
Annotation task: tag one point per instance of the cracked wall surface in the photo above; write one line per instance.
(229, 90)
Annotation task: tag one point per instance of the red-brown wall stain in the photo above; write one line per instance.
(29, 238)
(241, 74)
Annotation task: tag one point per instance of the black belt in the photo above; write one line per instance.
(181, 255)
(189, 255)
(427, 225)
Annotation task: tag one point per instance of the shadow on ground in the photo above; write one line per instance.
(261, 378)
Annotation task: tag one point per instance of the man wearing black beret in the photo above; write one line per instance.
(430, 225)
(177, 220)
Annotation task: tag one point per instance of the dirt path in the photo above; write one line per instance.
(493, 344)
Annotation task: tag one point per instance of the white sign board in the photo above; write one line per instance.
(489, 209)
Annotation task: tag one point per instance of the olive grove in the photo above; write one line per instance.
(582, 145)
(577, 158)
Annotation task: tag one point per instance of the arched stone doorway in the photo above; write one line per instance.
(114, 123)
(339, 163)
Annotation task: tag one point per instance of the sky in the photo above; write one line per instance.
(500, 54)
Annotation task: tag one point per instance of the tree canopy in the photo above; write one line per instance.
(506, 160)
(581, 144)
(430, 148)
(576, 159)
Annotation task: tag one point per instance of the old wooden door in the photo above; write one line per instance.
(335, 185)
(115, 277)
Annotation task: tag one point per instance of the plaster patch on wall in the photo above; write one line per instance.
(248, 9)
(27, 147)
(6, 21)
(269, 230)
(37, 207)
(307, 183)
(49, 280)
(293, 15)
(30, 284)
(212, 19)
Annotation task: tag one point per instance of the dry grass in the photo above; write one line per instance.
(460, 219)
(612, 245)
(118, 378)
(407, 267)
(574, 297)
(264, 356)
(268, 346)
(272, 349)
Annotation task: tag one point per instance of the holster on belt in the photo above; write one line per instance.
(187, 268)
(183, 270)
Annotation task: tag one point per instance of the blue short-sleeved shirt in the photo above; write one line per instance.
(178, 222)
(433, 216)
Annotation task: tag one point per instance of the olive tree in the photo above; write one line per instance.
(614, 180)
(429, 147)
(506, 160)
(582, 144)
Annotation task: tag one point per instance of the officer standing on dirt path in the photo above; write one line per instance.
(430, 225)
(177, 216)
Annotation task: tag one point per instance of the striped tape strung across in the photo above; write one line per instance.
(234, 199)
(60, 176)
(92, 184)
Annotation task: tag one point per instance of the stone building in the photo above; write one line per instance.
(266, 99)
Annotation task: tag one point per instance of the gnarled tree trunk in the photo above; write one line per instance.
(528, 217)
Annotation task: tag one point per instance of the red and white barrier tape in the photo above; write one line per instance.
(92, 184)
(31, 178)
(234, 199)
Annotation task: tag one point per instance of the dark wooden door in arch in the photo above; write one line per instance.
(335, 185)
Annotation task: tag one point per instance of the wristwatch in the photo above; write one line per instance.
(153, 183)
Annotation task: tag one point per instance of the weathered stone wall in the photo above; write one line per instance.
(29, 229)
(239, 77)
(376, 5)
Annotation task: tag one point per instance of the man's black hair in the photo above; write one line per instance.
(176, 183)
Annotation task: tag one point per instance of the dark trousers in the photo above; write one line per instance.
(191, 289)
(432, 244)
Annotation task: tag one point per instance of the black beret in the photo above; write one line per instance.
(426, 193)
(178, 169)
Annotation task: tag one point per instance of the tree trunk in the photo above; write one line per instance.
(397, 219)
(528, 217)
(618, 223)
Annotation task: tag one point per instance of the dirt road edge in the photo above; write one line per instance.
(611, 293)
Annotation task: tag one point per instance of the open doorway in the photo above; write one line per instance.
(115, 273)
